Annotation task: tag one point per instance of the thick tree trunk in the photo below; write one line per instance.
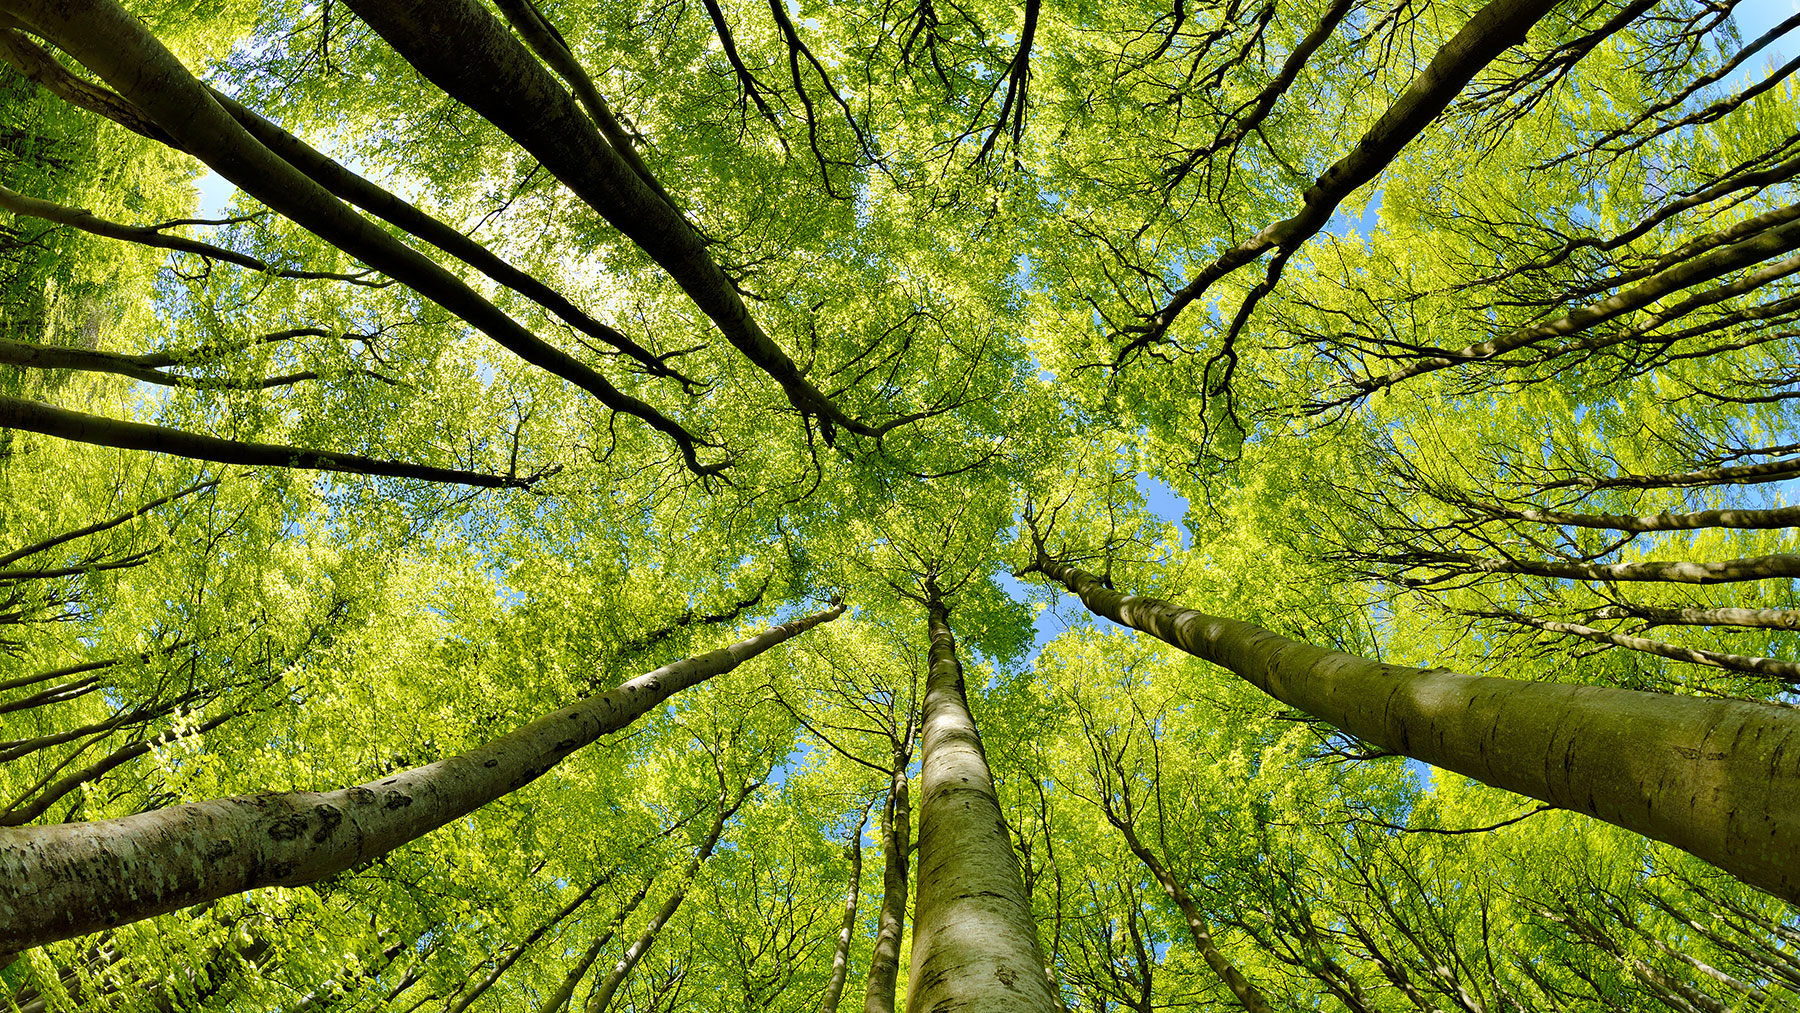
(884, 963)
(603, 996)
(1717, 778)
(113, 44)
(840, 956)
(69, 879)
(974, 943)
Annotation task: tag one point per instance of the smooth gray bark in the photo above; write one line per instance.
(564, 992)
(884, 962)
(840, 954)
(1719, 779)
(1766, 619)
(1248, 995)
(603, 995)
(68, 879)
(974, 941)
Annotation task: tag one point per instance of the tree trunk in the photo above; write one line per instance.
(501, 965)
(80, 427)
(113, 44)
(974, 943)
(840, 957)
(1248, 995)
(1492, 30)
(1719, 779)
(493, 73)
(566, 990)
(69, 879)
(603, 996)
(884, 963)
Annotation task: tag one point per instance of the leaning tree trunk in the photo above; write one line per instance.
(884, 963)
(1719, 779)
(459, 1003)
(974, 943)
(566, 991)
(72, 878)
(1248, 995)
(840, 956)
(615, 979)
(80, 427)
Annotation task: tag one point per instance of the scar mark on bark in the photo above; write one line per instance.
(395, 800)
(1690, 753)
(288, 828)
(329, 818)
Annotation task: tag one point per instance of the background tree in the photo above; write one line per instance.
(541, 346)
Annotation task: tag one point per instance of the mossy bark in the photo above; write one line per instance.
(1719, 779)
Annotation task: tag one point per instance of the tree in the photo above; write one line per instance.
(564, 368)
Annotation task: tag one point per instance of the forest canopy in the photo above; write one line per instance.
(935, 504)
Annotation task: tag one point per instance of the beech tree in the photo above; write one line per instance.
(1223, 505)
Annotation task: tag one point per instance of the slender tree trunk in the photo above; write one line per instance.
(68, 879)
(1719, 779)
(1495, 28)
(502, 965)
(493, 73)
(603, 996)
(974, 943)
(567, 989)
(840, 957)
(80, 427)
(884, 963)
(13, 202)
(1248, 995)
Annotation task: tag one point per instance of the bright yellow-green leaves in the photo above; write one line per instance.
(291, 631)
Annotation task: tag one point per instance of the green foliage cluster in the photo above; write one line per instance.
(955, 220)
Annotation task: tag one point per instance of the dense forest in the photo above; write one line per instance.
(926, 505)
